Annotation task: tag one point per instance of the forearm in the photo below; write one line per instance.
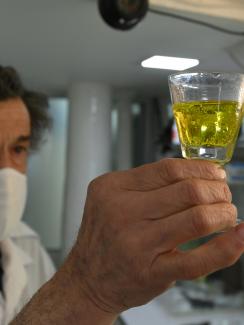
(60, 301)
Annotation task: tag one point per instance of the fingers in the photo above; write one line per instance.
(180, 196)
(168, 171)
(221, 252)
(190, 224)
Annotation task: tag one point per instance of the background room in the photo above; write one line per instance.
(111, 113)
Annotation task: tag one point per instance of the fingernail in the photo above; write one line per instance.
(240, 231)
(222, 173)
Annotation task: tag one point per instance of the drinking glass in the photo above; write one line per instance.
(208, 108)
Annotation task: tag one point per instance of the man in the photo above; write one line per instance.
(127, 250)
(24, 265)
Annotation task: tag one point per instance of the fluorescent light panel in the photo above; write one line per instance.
(169, 63)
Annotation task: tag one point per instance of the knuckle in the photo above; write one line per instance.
(95, 186)
(231, 260)
(230, 212)
(202, 220)
(227, 252)
(230, 256)
(208, 169)
(233, 209)
(231, 252)
(227, 192)
(100, 185)
(170, 168)
(193, 191)
(220, 192)
(166, 168)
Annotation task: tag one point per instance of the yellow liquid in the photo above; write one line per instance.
(208, 124)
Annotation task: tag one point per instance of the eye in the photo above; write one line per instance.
(20, 149)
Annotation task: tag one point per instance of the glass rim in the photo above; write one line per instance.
(173, 76)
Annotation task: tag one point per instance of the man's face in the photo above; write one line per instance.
(14, 134)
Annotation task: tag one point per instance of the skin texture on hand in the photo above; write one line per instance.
(127, 250)
(134, 222)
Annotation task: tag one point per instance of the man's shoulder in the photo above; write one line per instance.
(29, 244)
(27, 241)
(39, 266)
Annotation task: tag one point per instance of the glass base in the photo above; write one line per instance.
(215, 154)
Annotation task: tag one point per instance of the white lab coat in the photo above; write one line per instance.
(26, 267)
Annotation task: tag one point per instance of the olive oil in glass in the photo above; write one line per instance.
(206, 125)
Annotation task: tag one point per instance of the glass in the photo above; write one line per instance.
(208, 108)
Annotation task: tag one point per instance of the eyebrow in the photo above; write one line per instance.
(23, 138)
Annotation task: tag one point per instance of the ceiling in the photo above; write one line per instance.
(54, 43)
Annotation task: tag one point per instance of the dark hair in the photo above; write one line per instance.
(11, 86)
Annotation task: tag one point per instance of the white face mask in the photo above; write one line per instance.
(13, 194)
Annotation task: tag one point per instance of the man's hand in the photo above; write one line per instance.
(134, 221)
(127, 251)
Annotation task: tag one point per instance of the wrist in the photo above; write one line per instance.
(81, 305)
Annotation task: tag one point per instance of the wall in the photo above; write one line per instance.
(46, 180)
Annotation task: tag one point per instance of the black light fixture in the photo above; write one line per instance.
(123, 14)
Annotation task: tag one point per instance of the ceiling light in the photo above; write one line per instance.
(169, 63)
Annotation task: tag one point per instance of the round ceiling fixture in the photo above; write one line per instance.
(123, 14)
